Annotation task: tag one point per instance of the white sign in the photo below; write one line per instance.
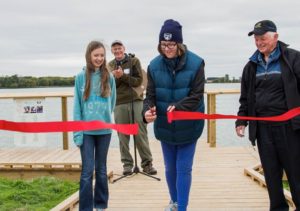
(29, 110)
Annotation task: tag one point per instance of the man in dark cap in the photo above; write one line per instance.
(270, 86)
(127, 71)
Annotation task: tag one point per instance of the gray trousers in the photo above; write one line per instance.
(123, 115)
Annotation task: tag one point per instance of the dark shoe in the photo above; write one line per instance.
(149, 170)
(127, 171)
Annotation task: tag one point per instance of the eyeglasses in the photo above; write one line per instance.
(169, 45)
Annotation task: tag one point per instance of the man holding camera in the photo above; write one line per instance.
(127, 71)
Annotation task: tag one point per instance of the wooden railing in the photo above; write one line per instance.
(64, 104)
(211, 109)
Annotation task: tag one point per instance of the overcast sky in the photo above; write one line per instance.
(49, 38)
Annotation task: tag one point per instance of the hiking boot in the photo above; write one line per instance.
(127, 171)
(149, 169)
(172, 206)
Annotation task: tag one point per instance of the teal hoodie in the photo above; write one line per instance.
(95, 107)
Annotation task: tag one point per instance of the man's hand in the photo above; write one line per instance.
(150, 114)
(240, 130)
(118, 72)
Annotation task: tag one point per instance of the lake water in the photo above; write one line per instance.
(226, 104)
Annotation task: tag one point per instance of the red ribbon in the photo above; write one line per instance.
(42, 127)
(185, 115)
(128, 129)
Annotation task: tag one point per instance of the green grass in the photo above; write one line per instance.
(286, 185)
(34, 195)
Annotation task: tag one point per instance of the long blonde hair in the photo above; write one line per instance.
(105, 88)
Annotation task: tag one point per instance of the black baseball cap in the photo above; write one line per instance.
(262, 27)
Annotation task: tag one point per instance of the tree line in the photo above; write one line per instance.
(16, 81)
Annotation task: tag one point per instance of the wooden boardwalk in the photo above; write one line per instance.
(218, 183)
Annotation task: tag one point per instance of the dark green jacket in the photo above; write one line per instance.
(133, 78)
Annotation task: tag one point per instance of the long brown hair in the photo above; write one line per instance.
(105, 88)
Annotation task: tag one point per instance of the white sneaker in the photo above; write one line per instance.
(172, 206)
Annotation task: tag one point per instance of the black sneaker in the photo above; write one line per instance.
(149, 170)
(127, 171)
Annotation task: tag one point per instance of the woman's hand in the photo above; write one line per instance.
(171, 108)
(150, 115)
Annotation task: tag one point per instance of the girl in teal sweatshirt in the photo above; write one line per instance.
(94, 99)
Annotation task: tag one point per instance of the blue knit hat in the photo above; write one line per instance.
(171, 31)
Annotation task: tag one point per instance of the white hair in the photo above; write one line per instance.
(271, 34)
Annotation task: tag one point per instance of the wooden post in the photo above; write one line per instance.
(211, 125)
(64, 113)
(208, 121)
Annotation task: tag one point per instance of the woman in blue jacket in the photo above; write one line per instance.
(175, 82)
(94, 99)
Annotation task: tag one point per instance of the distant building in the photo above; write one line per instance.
(212, 79)
(225, 79)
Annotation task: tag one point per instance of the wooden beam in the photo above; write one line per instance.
(211, 126)
(254, 173)
(64, 113)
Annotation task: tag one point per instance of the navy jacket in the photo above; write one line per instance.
(290, 73)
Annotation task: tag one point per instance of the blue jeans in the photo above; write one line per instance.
(178, 169)
(94, 156)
